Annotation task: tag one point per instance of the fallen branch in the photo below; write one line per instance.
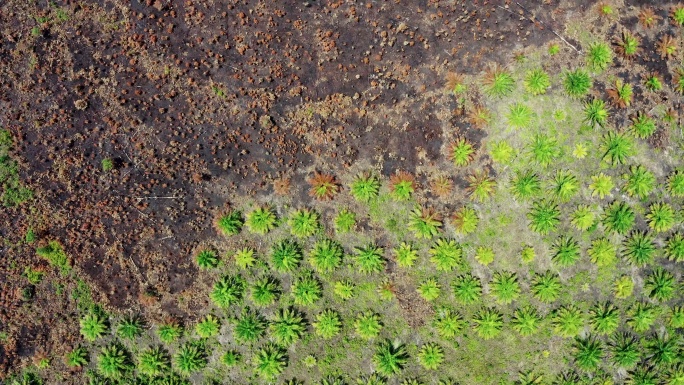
(533, 19)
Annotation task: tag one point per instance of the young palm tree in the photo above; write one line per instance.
(448, 323)
(642, 375)
(546, 287)
(430, 289)
(604, 318)
(323, 186)
(369, 259)
(431, 356)
(674, 247)
(306, 289)
(304, 223)
(261, 220)
(525, 185)
(488, 323)
(425, 222)
(402, 185)
(227, 291)
(229, 223)
(390, 357)
(480, 186)
(660, 285)
(587, 352)
(467, 288)
(639, 182)
(583, 218)
(250, 326)
(641, 316)
(190, 357)
(154, 361)
(287, 326)
(624, 286)
(619, 217)
(286, 255)
(208, 327)
(663, 349)
(445, 254)
(568, 320)
(405, 254)
(114, 361)
(327, 324)
(526, 320)
(544, 216)
(565, 251)
(639, 249)
(602, 252)
(465, 220)
(616, 147)
(661, 217)
(269, 361)
(505, 287)
(367, 325)
(365, 187)
(265, 291)
(624, 348)
(326, 255)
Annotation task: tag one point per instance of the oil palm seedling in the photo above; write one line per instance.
(544, 216)
(577, 83)
(519, 116)
(604, 318)
(249, 327)
(675, 183)
(402, 185)
(660, 285)
(448, 323)
(269, 361)
(644, 374)
(619, 217)
(678, 83)
(465, 220)
(567, 377)
(170, 331)
(498, 82)
(544, 149)
(344, 289)
(621, 95)
(429, 289)
(431, 356)
(599, 56)
(643, 126)
(405, 254)
(527, 254)
(529, 378)
(424, 222)
(648, 18)
(441, 186)
(455, 83)
(627, 45)
(677, 15)
(601, 185)
(653, 81)
(208, 327)
(488, 323)
(484, 255)
(525, 185)
(675, 374)
(596, 113)
(130, 327)
(587, 352)
(390, 357)
(77, 358)
(369, 259)
(565, 185)
(663, 349)
(286, 255)
(676, 320)
(554, 49)
(479, 116)
(480, 186)
(229, 223)
(373, 379)
(261, 220)
(114, 362)
(674, 247)
(304, 223)
(641, 316)
(546, 287)
(623, 287)
(639, 182)
(602, 252)
(365, 187)
(206, 259)
(625, 350)
(227, 291)
(265, 291)
(445, 254)
(567, 320)
(326, 255)
(154, 361)
(367, 325)
(332, 380)
(615, 147)
(231, 358)
(345, 221)
(667, 47)
(288, 325)
(323, 186)
(327, 324)
(467, 288)
(660, 217)
(583, 218)
(639, 248)
(94, 325)
(537, 81)
(244, 258)
(306, 289)
(501, 152)
(461, 152)
(505, 287)
(526, 320)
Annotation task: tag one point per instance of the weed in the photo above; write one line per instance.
(465, 220)
(327, 324)
(467, 288)
(639, 182)
(652, 82)
(405, 255)
(304, 223)
(441, 186)
(527, 254)
(588, 352)
(625, 350)
(544, 216)
(519, 116)
(130, 327)
(227, 291)
(190, 357)
(208, 327)
(546, 287)
(369, 259)
(604, 318)
(554, 49)
(498, 82)
(484, 255)
(286, 255)
(365, 187)
(402, 185)
(390, 357)
(154, 362)
(431, 356)
(623, 287)
(567, 320)
(265, 291)
(480, 186)
(601, 185)
(488, 323)
(34, 276)
(674, 247)
(461, 152)
(627, 45)
(501, 152)
(639, 249)
(323, 186)
(544, 149)
(505, 287)
(425, 222)
(429, 289)
(207, 259)
(445, 254)
(93, 325)
(660, 285)
(615, 147)
(667, 47)
(306, 289)
(599, 56)
(537, 81)
(287, 326)
(660, 217)
(107, 164)
(565, 185)
(580, 151)
(113, 361)
(345, 221)
(367, 325)
(526, 320)
(648, 18)
(231, 358)
(261, 220)
(641, 316)
(54, 253)
(244, 258)
(577, 83)
(77, 358)
(169, 332)
(479, 116)
(595, 113)
(230, 223)
(525, 185)
(456, 83)
(249, 327)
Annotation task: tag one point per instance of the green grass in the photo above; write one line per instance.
(577, 83)
(537, 81)
(54, 253)
(365, 187)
